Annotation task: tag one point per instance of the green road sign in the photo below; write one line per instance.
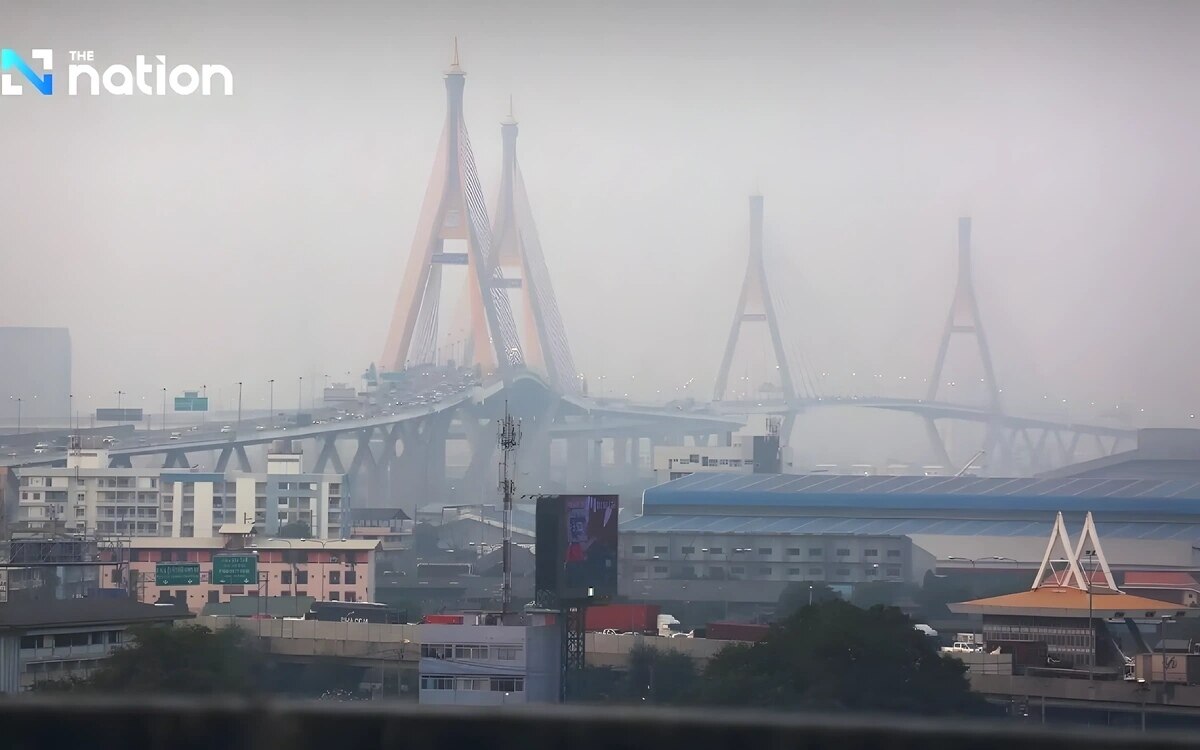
(177, 574)
(191, 403)
(235, 569)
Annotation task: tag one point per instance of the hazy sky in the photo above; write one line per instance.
(209, 240)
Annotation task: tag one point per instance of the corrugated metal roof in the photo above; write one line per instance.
(725, 524)
(929, 493)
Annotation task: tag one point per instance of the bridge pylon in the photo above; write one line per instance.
(517, 252)
(964, 319)
(756, 306)
(453, 230)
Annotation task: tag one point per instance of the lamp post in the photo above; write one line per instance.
(164, 411)
(299, 400)
(1143, 689)
(239, 419)
(272, 402)
(1090, 554)
(18, 414)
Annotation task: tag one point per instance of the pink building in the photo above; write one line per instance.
(329, 570)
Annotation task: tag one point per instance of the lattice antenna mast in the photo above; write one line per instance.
(509, 438)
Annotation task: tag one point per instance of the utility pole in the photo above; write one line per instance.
(509, 438)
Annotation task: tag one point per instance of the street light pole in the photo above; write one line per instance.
(239, 419)
(164, 411)
(272, 402)
(299, 399)
(1090, 554)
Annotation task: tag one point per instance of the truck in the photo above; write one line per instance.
(736, 631)
(623, 618)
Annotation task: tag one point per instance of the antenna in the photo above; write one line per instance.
(509, 438)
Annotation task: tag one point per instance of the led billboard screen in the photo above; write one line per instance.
(577, 546)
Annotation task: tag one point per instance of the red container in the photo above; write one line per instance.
(623, 618)
(736, 631)
(442, 620)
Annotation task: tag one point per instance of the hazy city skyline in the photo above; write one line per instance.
(200, 241)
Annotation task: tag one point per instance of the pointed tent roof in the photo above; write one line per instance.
(1072, 592)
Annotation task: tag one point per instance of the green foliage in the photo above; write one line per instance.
(295, 530)
(835, 656)
(177, 660)
(660, 676)
(796, 595)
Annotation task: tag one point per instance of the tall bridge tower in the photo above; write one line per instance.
(517, 252)
(453, 230)
(964, 320)
(755, 307)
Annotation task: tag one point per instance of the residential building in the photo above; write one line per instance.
(330, 570)
(61, 639)
(391, 527)
(480, 664)
(87, 495)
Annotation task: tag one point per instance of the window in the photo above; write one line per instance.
(639, 569)
(871, 553)
(893, 571)
(660, 568)
(436, 651)
(842, 572)
(764, 571)
(661, 550)
(351, 596)
(334, 596)
(302, 576)
(737, 569)
(793, 571)
(872, 571)
(351, 577)
(473, 683)
(31, 641)
(815, 552)
(716, 551)
(793, 551)
(765, 551)
(688, 550)
(285, 576)
(508, 684)
(437, 683)
(639, 549)
(505, 653)
(335, 576)
(893, 553)
(843, 552)
(214, 596)
(470, 652)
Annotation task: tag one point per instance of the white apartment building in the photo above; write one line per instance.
(754, 447)
(87, 496)
(488, 665)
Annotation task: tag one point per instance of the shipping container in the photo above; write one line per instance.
(623, 618)
(736, 631)
(442, 620)
(1181, 669)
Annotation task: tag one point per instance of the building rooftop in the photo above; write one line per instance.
(1054, 601)
(884, 493)
(81, 612)
(379, 514)
(820, 524)
(205, 542)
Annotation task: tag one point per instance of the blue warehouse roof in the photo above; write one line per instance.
(894, 495)
(737, 524)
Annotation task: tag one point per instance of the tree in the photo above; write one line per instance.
(660, 676)
(835, 656)
(170, 660)
(295, 530)
(796, 595)
(886, 593)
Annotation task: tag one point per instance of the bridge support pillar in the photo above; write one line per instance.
(937, 444)
(176, 460)
(329, 456)
(232, 451)
(577, 463)
(120, 462)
